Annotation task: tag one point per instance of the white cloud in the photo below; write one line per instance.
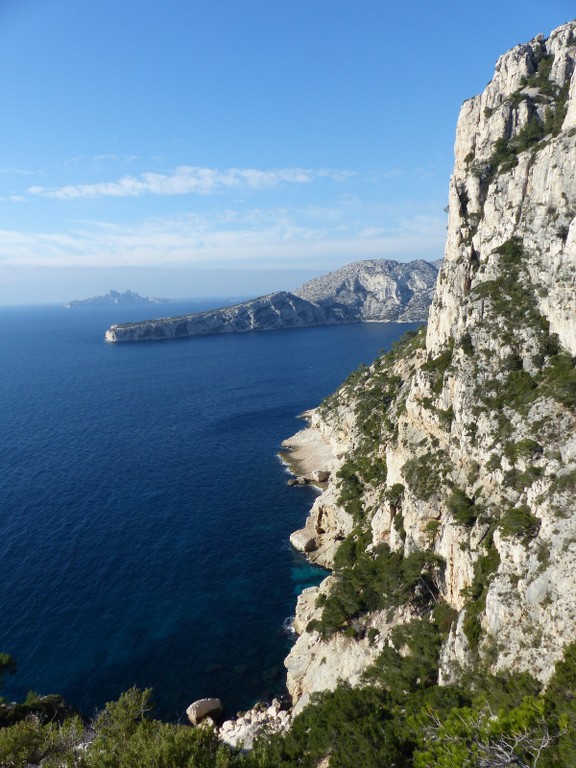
(265, 238)
(16, 172)
(190, 179)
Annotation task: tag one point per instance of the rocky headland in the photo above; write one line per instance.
(377, 290)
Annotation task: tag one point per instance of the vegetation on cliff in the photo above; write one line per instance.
(402, 720)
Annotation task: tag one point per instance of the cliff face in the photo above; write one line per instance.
(374, 290)
(460, 448)
(377, 290)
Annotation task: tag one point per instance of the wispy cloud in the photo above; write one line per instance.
(17, 172)
(188, 179)
(268, 238)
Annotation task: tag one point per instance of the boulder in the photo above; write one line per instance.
(319, 476)
(304, 540)
(202, 708)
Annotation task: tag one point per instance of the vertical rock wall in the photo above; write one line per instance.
(463, 444)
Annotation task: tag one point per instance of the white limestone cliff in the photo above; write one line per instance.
(463, 444)
(376, 290)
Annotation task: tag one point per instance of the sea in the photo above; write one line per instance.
(144, 511)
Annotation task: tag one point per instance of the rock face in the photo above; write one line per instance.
(458, 450)
(376, 290)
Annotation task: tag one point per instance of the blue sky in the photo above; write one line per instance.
(189, 148)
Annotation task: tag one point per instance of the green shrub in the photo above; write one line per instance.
(484, 569)
(444, 616)
(462, 508)
(438, 367)
(377, 581)
(412, 660)
(395, 493)
(519, 522)
(425, 474)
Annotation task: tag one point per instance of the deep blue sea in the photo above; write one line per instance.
(145, 514)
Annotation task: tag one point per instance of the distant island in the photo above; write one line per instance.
(375, 290)
(119, 298)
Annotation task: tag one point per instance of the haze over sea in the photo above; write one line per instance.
(145, 514)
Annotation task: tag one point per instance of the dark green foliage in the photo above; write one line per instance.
(462, 508)
(372, 417)
(395, 493)
(525, 449)
(351, 489)
(351, 549)
(355, 726)
(494, 462)
(531, 135)
(411, 661)
(559, 379)
(438, 367)
(31, 742)
(513, 300)
(503, 159)
(446, 417)
(554, 118)
(354, 474)
(541, 77)
(444, 616)
(519, 522)
(408, 343)
(484, 569)
(44, 709)
(565, 482)
(415, 724)
(466, 344)
(375, 581)
(127, 738)
(522, 480)
(560, 699)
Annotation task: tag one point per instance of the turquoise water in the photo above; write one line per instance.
(145, 515)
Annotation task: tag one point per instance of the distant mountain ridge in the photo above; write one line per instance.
(376, 290)
(124, 298)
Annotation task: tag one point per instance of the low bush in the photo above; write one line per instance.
(519, 522)
(462, 508)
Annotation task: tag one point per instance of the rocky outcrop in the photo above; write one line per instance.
(260, 721)
(203, 708)
(365, 291)
(457, 450)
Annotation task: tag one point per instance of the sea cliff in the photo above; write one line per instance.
(456, 454)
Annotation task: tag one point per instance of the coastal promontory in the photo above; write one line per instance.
(377, 290)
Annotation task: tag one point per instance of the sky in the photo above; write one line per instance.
(196, 148)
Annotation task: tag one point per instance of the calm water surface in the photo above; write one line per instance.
(145, 516)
